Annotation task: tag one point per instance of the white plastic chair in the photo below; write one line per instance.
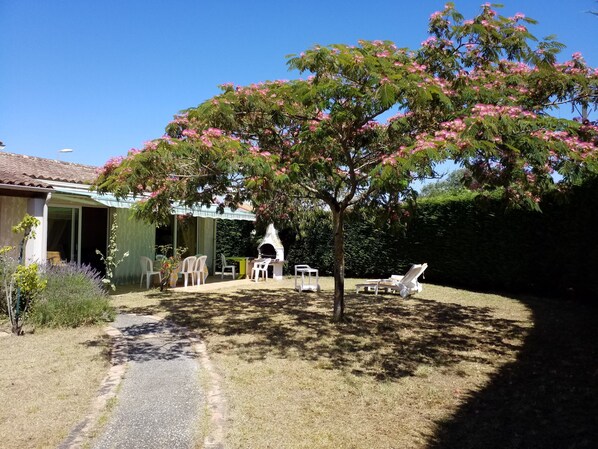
(260, 269)
(187, 269)
(147, 270)
(226, 267)
(199, 270)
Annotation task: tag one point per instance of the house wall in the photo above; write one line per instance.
(138, 237)
(12, 211)
(35, 251)
(135, 236)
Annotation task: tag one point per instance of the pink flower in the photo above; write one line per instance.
(190, 133)
(150, 145)
(429, 42)
(213, 132)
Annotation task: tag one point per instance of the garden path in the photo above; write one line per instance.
(160, 400)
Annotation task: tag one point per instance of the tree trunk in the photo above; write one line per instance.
(338, 218)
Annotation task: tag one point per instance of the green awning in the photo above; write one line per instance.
(199, 211)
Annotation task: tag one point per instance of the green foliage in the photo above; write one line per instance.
(28, 281)
(111, 260)
(20, 285)
(74, 296)
(234, 238)
(452, 185)
(474, 241)
(26, 226)
(169, 264)
(369, 245)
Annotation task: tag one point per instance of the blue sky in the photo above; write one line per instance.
(101, 77)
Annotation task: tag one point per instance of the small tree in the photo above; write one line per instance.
(476, 92)
(20, 284)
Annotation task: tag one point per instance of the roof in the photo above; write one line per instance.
(37, 172)
(31, 171)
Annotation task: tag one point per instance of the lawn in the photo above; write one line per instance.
(48, 381)
(447, 368)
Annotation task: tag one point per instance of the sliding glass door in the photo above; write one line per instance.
(75, 233)
(64, 233)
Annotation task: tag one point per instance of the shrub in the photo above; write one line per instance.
(74, 296)
(472, 241)
(234, 238)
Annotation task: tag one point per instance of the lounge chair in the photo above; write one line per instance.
(406, 285)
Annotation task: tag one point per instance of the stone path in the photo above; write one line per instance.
(160, 400)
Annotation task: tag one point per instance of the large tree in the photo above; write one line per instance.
(371, 118)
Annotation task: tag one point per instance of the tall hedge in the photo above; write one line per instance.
(486, 245)
(235, 238)
(471, 242)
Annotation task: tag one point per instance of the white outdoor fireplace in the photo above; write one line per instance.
(271, 247)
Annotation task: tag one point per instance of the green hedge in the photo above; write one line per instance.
(468, 241)
(234, 238)
(485, 245)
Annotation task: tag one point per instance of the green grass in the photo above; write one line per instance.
(49, 380)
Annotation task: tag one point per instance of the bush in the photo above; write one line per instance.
(74, 296)
(471, 241)
(234, 238)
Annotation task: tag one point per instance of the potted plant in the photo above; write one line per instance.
(170, 265)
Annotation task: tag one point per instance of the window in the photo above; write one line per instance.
(178, 233)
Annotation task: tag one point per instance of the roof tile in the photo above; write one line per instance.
(18, 169)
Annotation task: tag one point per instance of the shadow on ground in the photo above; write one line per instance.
(156, 341)
(547, 398)
(387, 337)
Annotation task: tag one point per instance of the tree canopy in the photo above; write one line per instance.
(368, 120)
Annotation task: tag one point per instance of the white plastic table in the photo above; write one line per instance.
(308, 276)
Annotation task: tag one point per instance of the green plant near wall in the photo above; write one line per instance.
(235, 238)
(169, 265)
(21, 285)
(111, 260)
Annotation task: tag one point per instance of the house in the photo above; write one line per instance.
(76, 221)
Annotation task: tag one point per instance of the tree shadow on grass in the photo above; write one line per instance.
(387, 337)
(547, 398)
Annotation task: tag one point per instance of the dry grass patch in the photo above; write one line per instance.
(48, 380)
(408, 373)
